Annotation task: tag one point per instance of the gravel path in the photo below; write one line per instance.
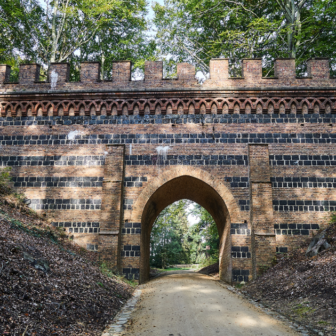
(191, 304)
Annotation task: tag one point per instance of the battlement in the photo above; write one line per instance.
(58, 76)
(284, 74)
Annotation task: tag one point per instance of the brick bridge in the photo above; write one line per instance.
(103, 158)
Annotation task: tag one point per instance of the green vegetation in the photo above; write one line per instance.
(45, 31)
(302, 310)
(174, 242)
(194, 31)
(173, 269)
(5, 176)
(114, 274)
(197, 30)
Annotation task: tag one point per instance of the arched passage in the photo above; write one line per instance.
(208, 194)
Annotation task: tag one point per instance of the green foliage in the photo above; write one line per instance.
(74, 31)
(106, 270)
(207, 261)
(198, 30)
(100, 285)
(174, 269)
(332, 218)
(203, 234)
(173, 242)
(168, 243)
(5, 177)
(302, 309)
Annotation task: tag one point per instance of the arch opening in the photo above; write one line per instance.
(184, 233)
(198, 191)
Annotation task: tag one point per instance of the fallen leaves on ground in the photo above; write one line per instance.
(302, 288)
(48, 285)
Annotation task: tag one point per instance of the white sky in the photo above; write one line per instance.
(191, 218)
(150, 11)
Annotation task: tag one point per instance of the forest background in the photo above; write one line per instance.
(193, 31)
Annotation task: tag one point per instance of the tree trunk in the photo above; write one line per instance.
(53, 33)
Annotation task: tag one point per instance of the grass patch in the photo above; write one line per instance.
(173, 269)
(113, 274)
(100, 284)
(302, 310)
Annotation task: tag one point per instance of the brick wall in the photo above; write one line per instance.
(91, 155)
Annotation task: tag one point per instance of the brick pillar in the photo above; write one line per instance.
(112, 206)
(261, 215)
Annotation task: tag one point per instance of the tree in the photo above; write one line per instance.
(203, 234)
(174, 242)
(198, 30)
(168, 244)
(46, 31)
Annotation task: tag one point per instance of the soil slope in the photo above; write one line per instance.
(214, 268)
(49, 286)
(302, 288)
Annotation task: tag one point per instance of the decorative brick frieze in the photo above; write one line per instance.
(65, 204)
(304, 205)
(169, 119)
(130, 251)
(240, 252)
(303, 182)
(239, 275)
(280, 249)
(97, 105)
(78, 227)
(240, 229)
(57, 182)
(131, 228)
(302, 160)
(56, 160)
(131, 273)
(295, 229)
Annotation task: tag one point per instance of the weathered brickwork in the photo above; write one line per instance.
(101, 159)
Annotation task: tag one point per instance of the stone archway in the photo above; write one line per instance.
(196, 185)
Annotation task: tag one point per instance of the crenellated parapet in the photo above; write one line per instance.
(220, 94)
(284, 70)
(58, 78)
(284, 74)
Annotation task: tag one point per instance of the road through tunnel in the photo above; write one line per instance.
(194, 189)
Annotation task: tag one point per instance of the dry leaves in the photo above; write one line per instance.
(302, 288)
(73, 298)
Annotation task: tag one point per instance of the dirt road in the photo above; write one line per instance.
(192, 304)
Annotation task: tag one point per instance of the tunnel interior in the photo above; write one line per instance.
(191, 188)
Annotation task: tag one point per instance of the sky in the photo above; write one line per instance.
(150, 11)
(191, 218)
